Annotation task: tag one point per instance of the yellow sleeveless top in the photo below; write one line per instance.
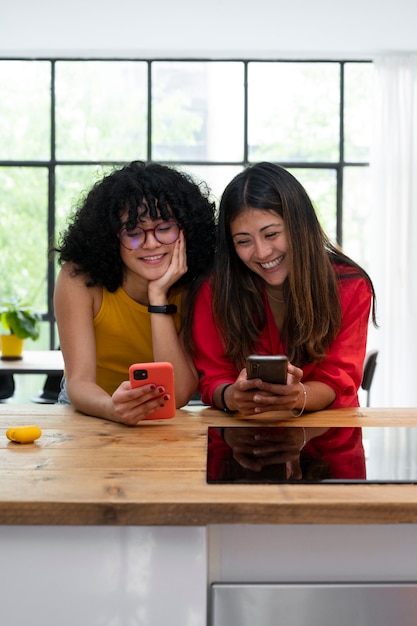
(123, 336)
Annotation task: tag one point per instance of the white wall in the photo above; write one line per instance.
(215, 29)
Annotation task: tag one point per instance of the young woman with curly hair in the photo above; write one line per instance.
(140, 240)
(279, 287)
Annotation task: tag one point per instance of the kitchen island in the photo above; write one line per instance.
(107, 524)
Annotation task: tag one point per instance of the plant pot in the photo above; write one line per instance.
(11, 347)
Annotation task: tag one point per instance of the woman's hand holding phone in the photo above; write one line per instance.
(160, 376)
(254, 396)
(148, 395)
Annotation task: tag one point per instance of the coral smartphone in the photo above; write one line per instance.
(271, 369)
(159, 374)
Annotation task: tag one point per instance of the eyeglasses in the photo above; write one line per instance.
(165, 233)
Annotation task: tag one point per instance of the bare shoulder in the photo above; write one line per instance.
(68, 272)
(72, 279)
(72, 288)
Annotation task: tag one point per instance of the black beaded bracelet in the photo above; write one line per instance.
(223, 401)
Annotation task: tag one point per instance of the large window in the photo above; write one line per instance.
(63, 123)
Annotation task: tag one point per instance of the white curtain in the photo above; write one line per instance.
(391, 453)
(393, 264)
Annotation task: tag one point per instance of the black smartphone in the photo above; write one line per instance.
(271, 369)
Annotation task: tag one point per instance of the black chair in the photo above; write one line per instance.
(368, 372)
(195, 400)
(50, 391)
(7, 386)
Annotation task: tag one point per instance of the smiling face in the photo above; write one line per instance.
(260, 241)
(152, 259)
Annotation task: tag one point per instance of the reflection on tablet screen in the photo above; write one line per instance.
(257, 454)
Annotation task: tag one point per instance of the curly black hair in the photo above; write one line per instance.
(91, 240)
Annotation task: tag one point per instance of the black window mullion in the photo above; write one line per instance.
(149, 142)
(51, 213)
(340, 169)
(245, 113)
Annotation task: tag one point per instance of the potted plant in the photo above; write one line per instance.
(21, 322)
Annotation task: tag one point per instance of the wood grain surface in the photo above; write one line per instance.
(88, 471)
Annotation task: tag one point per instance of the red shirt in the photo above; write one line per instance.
(342, 368)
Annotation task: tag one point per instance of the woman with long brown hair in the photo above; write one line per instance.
(279, 287)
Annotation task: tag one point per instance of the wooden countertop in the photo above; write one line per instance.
(88, 471)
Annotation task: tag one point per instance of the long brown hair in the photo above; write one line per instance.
(313, 316)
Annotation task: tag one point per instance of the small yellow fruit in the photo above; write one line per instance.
(23, 434)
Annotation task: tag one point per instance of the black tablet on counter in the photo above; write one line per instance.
(296, 454)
